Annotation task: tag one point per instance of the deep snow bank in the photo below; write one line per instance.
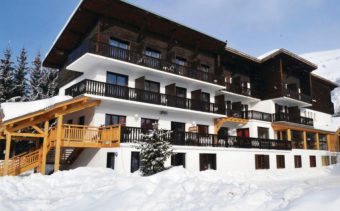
(174, 189)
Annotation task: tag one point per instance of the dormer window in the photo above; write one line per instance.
(153, 53)
(119, 43)
(181, 61)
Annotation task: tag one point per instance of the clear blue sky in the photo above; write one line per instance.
(252, 26)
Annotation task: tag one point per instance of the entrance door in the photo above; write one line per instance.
(110, 163)
(178, 132)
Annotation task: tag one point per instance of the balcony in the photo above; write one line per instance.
(296, 95)
(133, 57)
(238, 89)
(251, 114)
(294, 119)
(134, 135)
(122, 92)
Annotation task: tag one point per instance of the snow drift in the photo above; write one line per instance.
(174, 189)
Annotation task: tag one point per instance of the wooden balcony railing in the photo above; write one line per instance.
(296, 95)
(139, 95)
(134, 135)
(293, 118)
(19, 163)
(238, 89)
(134, 57)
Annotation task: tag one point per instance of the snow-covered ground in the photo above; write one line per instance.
(328, 67)
(174, 189)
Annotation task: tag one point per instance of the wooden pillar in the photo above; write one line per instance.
(58, 144)
(304, 137)
(44, 151)
(328, 142)
(317, 141)
(289, 135)
(8, 149)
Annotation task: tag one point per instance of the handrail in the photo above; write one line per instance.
(134, 135)
(134, 57)
(293, 118)
(296, 95)
(110, 90)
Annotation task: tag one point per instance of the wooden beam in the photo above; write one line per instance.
(58, 143)
(317, 141)
(28, 135)
(289, 134)
(44, 150)
(304, 137)
(37, 129)
(8, 150)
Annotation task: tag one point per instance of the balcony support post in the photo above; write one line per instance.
(58, 143)
(317, 141)
(289, 135)
(44, 150)
(304, 137)
(8, 150)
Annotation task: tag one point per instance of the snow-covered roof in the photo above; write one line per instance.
(275, 52)
(16, 109)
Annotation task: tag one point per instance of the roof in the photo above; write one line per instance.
(271, 54)
(325, 81)
(241, 54)
(88, 13)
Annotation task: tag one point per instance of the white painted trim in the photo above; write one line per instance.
(146, 68)
(154, 106)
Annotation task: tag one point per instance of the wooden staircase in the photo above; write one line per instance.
(73, 140)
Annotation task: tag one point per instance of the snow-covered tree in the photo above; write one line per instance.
(6, 75)
(154, 150)
(20, 82)
(50, 85)
(36, 80)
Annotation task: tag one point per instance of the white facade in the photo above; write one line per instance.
(227, 159)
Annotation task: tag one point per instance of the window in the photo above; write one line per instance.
(148, 123)
(311, 141)
(81, 120)
(297, 161)
(135, 161)
(181, 92)
(323, 141)
(116, 79)
(70, 121)
(119, 43)
(325, 160)
(312, 161)
(110, 161)
(203, 129)
(243, 132)
(178, 159)
(151, 86)
(181, 61)
(261, 161)
(114, 119)
(205, 97)
(334, 160)
(205, 68)
(263, 132)
(280, 162)
(207, 161)
(153, 53)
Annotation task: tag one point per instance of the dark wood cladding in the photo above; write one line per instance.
(322, 100)
(90, 12)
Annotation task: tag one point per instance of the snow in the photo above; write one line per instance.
(174, 189)
(267, 54)
(12, 110)
(328, 67)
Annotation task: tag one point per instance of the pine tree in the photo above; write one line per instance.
(36, 79)
(20, 81)
(154, 151)
(50, 85)
(6, 76)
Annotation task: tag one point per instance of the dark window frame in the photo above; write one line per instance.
(260, 131)
(119, 117)
(108, 160)
(149, 84)
(297, 161)
(280, 162)
(117, 77)
(177, 156)
(120, 43)
(150, 53)
(262, 162)
(312, 161)
(135, 164)
(207, 159)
